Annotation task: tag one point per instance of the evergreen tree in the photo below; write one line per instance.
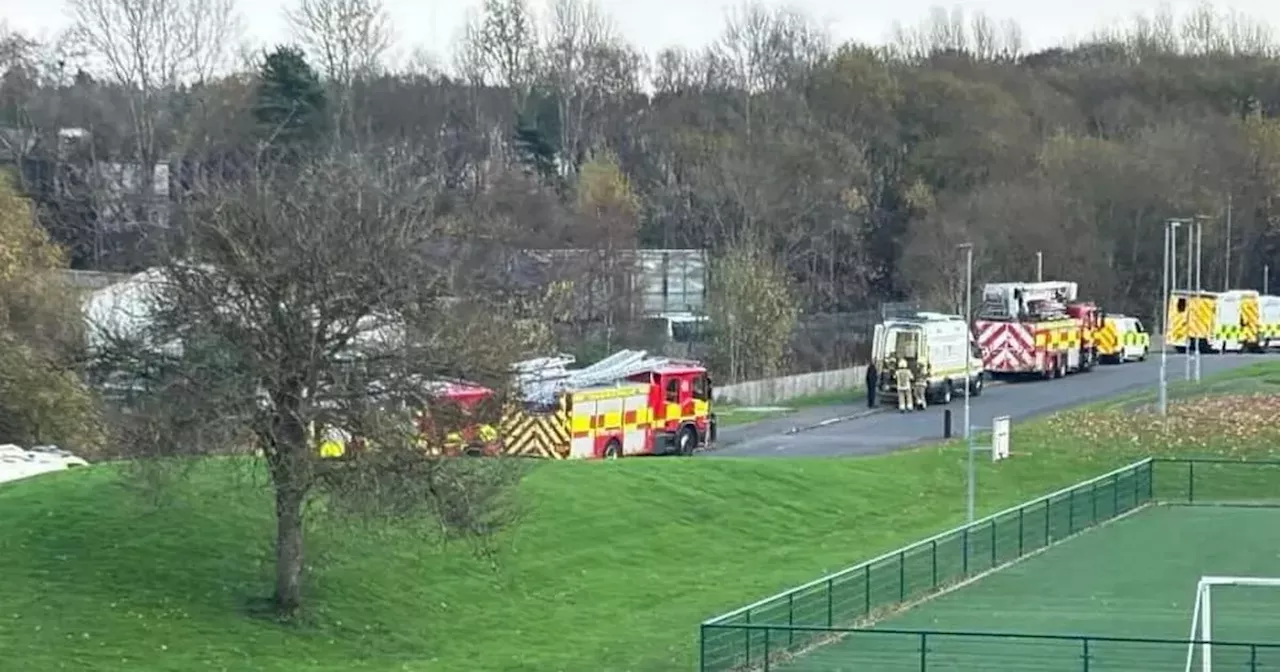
(291, 102)
(537, 137)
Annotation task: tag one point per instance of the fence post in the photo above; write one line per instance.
(993, 543)
(1191, 482)
(1115, 495)
(924, 651)
(1093, 502)
(964, 548)
(1021, 511)
(866, 590)
(933, 560)
(702, 648)
(1253, 658)
(1071, 512)
(1085, 654)
(1151, 480)
(902, 576)
(766, 649)
(1048, 504)
(791, 620)
(747, 632)
(831, 605)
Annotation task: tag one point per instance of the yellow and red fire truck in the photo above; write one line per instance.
(630, 403)
(453, 422)
(1037, 328)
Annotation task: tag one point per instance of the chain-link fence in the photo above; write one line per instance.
(774, 631)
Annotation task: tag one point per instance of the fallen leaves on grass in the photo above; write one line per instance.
(1227, 425)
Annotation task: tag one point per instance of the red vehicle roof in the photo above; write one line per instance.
(676, 370)
(460, 390)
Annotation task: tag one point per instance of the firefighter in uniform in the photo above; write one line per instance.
(903, 379)
(921, 384)
(873, 379)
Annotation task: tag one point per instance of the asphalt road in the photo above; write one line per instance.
(888, 430)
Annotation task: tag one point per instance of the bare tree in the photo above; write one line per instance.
(499, 47)
(149, 48)
(580, 40)
(982, 37)
(329, 298)
(347, 38)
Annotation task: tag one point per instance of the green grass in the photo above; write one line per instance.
(612, 568)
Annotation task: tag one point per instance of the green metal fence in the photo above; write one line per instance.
(1216, 481)
(882, 650)
(836, 606)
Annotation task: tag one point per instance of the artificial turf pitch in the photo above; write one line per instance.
(1132, 578)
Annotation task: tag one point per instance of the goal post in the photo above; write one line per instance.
(1202, 615)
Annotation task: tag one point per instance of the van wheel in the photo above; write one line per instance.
(946, 392)
(1143, 356)
(686, 441)
(612, 450)
(975, 387)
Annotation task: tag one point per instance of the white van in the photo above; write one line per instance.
(1269, 316)
(941, 343)
(1131, 343)
(1226, 333)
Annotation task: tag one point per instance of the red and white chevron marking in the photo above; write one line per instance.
(1007, 347)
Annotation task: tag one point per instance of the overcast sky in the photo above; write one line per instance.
(653, 24)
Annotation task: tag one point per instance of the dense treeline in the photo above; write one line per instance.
(854, 169)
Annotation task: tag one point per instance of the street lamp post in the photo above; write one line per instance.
(1170, 281)
(1191, 239)
(968, 372)
(1199, 285)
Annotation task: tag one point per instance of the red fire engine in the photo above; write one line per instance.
(1036, 328)
(627, 404)
(453, 423)
(460, 409)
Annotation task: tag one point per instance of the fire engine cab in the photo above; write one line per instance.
(630, 403)
(1038, 328)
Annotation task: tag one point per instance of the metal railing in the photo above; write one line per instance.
(884, 650)
(1216, 481)
(772, 632)
(868, 592)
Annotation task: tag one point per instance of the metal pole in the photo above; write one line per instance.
(1164, 322)
(1200, 287)
(1266, 278)
(1226, 273)
(1187, 356)
(968, 377)
(1039, 266)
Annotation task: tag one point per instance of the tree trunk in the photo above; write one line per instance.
(288, 595)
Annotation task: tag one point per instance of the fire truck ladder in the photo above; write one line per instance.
(542, 378)
(615, 367)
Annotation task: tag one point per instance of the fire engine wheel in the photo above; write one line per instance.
(612, 450)
(975, 387)
(686, 441)
(945, 393)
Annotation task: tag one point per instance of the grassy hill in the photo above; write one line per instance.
(612, 569)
